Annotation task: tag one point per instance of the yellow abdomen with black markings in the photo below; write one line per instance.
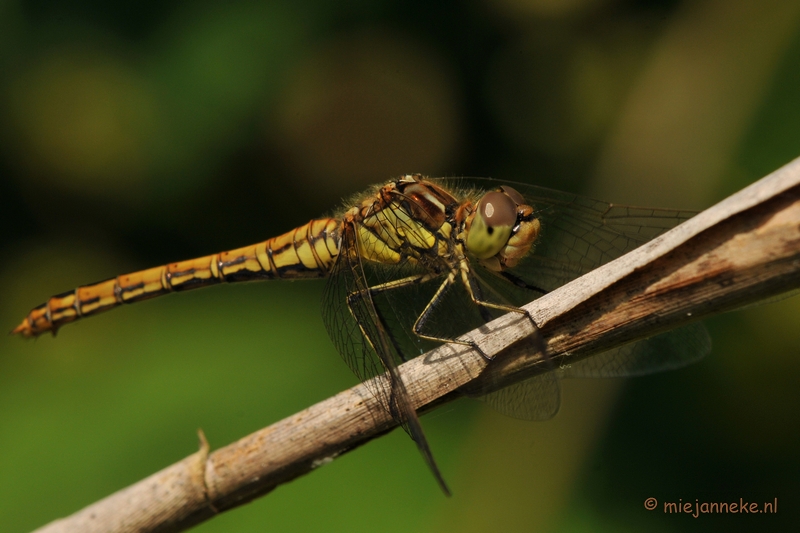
(308, 251)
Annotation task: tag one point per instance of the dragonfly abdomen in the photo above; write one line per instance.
(308, 251)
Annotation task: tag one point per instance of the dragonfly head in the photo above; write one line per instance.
(501, 229)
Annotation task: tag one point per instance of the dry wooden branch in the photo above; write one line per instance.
(744, 249)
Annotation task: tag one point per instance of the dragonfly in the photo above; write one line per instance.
(417, 262)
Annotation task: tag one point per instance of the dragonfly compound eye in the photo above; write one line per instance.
(491, 228)
(513, 194)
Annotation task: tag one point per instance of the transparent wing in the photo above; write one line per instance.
(365, 343)
(374, 332)
(667, 351)
(345, 325)
(578, 235)
(537, 398)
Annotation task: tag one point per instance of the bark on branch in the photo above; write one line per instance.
(742, 250)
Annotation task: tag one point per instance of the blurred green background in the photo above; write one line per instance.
(138, 133)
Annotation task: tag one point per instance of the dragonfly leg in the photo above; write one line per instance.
(475, 295)
(353, 298)
(423, 317)
(395, 284)
(356, 297)
(519, 282)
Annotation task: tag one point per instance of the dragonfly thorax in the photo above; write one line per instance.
(414, 219)
(410, 219)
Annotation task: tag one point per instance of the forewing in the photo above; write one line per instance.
(579, 234)
(366, 345)
(351, 323)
